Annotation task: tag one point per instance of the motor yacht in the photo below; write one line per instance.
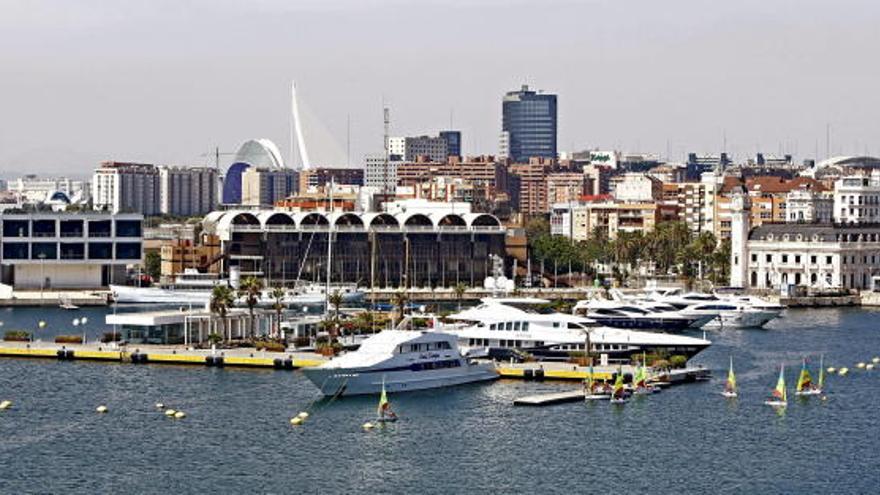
(732, 311)
(404, 360)
(523, 324)
(644, 316)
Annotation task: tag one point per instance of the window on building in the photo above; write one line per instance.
(813, 260)
(15, 250)
(797, 258)
(769, 258)
(785, 258)
(100, 251)
(754, 258)
(828, 260)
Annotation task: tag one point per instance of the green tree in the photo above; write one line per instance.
(335, 301)
(398, 300)
(460, 288)
(153, 265)
(251, 289)
(222, 298)
(277, 295)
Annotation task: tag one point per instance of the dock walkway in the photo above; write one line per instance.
(144, 354)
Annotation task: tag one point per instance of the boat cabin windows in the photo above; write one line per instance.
(424, 347)
(478, 342)
(515, 326)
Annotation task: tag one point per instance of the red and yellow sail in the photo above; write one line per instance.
(779, 391)
(804, 380)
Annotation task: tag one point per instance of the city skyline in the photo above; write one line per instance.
(179, 79)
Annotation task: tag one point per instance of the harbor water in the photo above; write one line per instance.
(236, 437)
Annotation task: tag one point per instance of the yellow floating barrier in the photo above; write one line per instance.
(98, 355)
(175, 359)
(101, 409)
(25, 352)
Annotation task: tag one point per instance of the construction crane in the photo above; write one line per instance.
(216, 154)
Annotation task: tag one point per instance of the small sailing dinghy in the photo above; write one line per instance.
(593, 390)
(384, 412)
(730, 386)
(778, 397)
(805, 385)
(640, 381)
(618, 395)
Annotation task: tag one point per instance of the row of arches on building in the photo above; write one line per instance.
(265, 219)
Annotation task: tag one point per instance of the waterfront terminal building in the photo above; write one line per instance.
(402, 247)
(82, 250)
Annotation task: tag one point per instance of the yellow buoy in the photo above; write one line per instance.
(831, 369)
(368, 425)
(101, 409)
(860, 365)
(302, 415)
(869, 366)
(824, 397)
(843, 371)
(876, 360)
(180, 415)
(159, 405)
(170, 412)
(6, 404)
(296, 421)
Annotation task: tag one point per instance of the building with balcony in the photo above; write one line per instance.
(188, 191)
(120, 187)
(409, 245)
(68, 250)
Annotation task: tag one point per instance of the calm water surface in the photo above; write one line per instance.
(236, 437)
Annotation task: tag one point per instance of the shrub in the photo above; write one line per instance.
(678, 361)
(68, 339)
(215, 338)
(17, 336)
(301, 341)
(269, 345)
(111, 337)
(661, 364)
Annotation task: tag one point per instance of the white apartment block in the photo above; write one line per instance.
(857, 199)
(808, 206)
(377, 176)
(119, 187)
(188, 191)
(636, 187)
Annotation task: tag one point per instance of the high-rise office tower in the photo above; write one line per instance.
(528, 125)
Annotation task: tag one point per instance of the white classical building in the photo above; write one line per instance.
(816, 255)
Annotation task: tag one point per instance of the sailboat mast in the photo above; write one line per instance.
(329, 251)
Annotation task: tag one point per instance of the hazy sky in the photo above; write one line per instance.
(166, 81)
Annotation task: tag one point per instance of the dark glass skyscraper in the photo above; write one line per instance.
(528, 123)
(453, 142)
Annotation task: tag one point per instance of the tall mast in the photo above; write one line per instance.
(329, 249)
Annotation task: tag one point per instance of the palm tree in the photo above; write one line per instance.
(460, 288)
(222, 298)
(251, 289)
(277, 295)
(398, 300)
(335, 300)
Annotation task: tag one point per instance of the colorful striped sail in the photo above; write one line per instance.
(730, 386)
(804, 380)
(383, 401)
(779, 391)
(618, 385)
(641, 377)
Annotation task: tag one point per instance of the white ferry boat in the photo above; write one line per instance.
(403, 360)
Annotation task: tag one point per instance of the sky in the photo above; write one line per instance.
(167, 81)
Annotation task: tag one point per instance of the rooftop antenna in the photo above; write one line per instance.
(348, 141)
(386, 112)
(297, 126)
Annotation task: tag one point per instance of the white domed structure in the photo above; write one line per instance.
(259, 153)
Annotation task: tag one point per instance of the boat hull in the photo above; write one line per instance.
(344, 382)
(743, 319)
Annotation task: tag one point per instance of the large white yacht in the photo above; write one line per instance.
(630, 315)
(521, 324)
(403, 360)
(732, 311)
